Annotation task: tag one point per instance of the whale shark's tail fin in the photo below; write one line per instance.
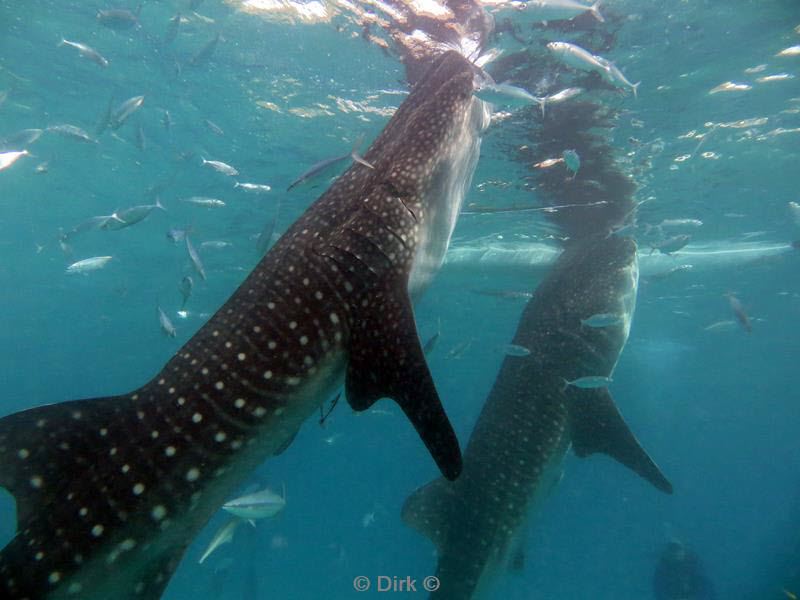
(80, 474)
(597, 426)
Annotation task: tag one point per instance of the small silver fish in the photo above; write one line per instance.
(185, 287)
(214, 128)
(166, 325)
(504, 94)
(264, 504)
(254, 188)
(672, 244)
(223, 536)
(431, 343)
(86, 52)
(614, 76)
(589, 382)
(577, 58)
(220, 166)
(88, 264)
(515, 350)
(196, 262)
(130, 216)
(459, 349)
(325, 167)
(125, 110)
(512, 294)
(9, 158)
(559, 97)
(680, 223)
(141, 140)
(556, 10)
(739, 313)
(203, 201)
(99, 222)
(216, 244)
(602, 320)
(71, 131)
(664, 274)
(720, 326)
(23, 138)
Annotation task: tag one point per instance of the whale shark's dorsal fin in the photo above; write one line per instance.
(597, 426)
(428, 508)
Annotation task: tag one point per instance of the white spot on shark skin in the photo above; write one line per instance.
(127, 544)
(75, 588)
(169, 450)
(158, 512)
(23, 453)
(54, 577)
(192, 474)
(138, 489)
(97, 530)
(197, 417)
(36, 482)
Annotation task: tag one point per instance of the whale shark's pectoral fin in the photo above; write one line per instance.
(385, 358)
(597, 426)
(428, 509)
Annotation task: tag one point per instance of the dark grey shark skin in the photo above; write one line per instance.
(110, 491)
(530, 419)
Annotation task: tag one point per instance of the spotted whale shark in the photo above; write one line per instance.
(110, 491)
(531, 418)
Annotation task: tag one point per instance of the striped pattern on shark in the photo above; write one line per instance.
(530, 419)
(111, 491)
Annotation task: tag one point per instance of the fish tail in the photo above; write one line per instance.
(63, 42)
(636, 89)
(356, 156)
(55, 460)
(595, 12)
(159, 205)
(542, 102)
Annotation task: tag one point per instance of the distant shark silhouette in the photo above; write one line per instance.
(110, 491)
(530, 419)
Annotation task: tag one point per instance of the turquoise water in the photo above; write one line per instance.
(716, 409)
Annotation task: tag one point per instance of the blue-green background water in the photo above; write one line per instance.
(718, 411)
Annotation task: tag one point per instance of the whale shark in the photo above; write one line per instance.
(110, 491)
(531, 418)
